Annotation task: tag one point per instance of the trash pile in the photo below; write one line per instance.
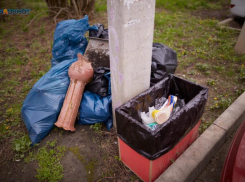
(42, 106)
(157, 116)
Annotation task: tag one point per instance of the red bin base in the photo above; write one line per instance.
(150, 170)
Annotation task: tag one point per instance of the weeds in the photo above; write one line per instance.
(211, 82)
(29, 158)
(202, 67)
(204, 125)
(117, 158)
(241, 72)
(221, 102)
(96, 126)
(49, 158)
(21, 145)
(239, 91)
(218, 69)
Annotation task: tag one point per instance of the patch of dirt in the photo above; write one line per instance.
(220, 14)
(101, 148)
(236, 23)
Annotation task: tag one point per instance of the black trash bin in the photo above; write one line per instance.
(138, 143)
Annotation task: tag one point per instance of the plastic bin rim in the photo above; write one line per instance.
(153, 132)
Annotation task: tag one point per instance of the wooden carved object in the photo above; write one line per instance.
(80, 73)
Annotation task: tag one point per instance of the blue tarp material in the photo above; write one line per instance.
(42, 105)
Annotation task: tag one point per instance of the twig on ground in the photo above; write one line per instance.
(62, 9)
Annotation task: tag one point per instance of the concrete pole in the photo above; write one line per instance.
(131, 27)
(240, 45)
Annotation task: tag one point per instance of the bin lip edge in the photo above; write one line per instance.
(119, 109)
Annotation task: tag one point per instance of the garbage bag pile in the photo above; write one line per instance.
(43, 104)
(164, 59)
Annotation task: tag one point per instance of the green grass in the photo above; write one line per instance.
(96, 126)
(205, 53)
(49, 158)
(221, 102)
(188, 5)
(100, 6)
(18, 71)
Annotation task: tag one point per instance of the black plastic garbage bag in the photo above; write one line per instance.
(99, 84)
(164, 62)
(153, 144)
(100, 33)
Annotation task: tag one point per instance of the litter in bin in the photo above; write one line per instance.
(80, 73)
(163, 114)
(152, 126)
(147, 117)
(158, 116)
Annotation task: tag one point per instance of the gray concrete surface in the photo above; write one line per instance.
(131, 26)
(213, 171)
(191, 163)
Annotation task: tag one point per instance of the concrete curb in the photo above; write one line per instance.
(191, 163)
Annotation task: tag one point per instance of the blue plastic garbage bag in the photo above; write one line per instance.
(42, 105)
(69, 39)
(96, 109)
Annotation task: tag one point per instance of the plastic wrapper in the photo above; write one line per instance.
(147, 118)
(153, 144)
(42, 105)
(69, 39)
(164, 62)
(100, 83)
